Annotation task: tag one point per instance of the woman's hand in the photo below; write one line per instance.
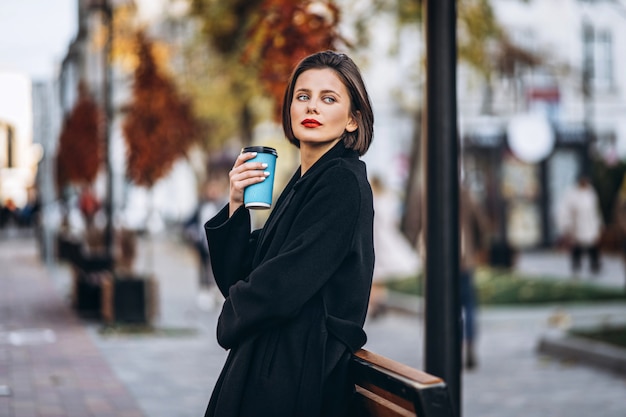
(242, 175)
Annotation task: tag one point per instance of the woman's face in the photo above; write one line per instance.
(320, 108)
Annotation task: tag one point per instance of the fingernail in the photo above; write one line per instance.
(266, 173)
(264, 165)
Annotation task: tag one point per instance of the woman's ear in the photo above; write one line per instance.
(352, 123)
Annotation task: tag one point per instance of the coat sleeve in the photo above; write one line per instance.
(231, 246)
(317, 243)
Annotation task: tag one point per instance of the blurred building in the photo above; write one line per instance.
(527, 136)
(46, 129)
(18, 154)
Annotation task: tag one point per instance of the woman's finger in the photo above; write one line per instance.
(244, 174)
(243, 157)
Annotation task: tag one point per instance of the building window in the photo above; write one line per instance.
(603, 60)
(598, 46)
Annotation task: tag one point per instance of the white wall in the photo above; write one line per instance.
(554, 30)
(16, 110)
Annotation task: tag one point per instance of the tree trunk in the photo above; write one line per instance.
(246, 125)
(411, 221)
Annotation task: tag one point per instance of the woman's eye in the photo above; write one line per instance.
(329, 99)
(302, 97)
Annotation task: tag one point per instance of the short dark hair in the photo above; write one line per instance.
(360, 105)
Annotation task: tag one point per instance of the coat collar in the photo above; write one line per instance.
(337, 151)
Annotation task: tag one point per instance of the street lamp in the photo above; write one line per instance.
(442, 354)
(105, 8)
(587, 87)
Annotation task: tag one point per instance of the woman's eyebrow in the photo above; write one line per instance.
(330, 92)
(308, 90)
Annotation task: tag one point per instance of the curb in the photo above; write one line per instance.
(404, 303)
(585, 351)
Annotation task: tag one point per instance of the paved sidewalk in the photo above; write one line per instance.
(556, 264)
(171, 373)
(49, 364)
(512, 378)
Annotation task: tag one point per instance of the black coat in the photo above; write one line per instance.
(296, 294)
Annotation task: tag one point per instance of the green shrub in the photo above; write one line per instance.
(503, 287)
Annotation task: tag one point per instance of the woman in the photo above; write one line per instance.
(296, 292)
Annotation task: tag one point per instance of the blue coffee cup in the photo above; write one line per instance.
(259, 195)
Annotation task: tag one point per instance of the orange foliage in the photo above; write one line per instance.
(289, 30)
(81, 142)
(159, 126)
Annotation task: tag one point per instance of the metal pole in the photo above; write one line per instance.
(588, 39)
(107, 96)
(442, 301)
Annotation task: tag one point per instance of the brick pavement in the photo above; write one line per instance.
(49, 364)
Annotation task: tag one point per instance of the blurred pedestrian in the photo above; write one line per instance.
(213, 198)
(475, 237)
(395, 256)
(297, 290)
(9, 213)
(580, 223)
(29, 215)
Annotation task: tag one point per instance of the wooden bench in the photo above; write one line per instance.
(386, 388)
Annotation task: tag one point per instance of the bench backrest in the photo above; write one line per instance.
(386, 388)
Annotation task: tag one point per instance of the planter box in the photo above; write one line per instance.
(87, 292)
(68, 248)
(129, 299)
(89, 273)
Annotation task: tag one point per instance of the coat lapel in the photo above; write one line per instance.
(270, 226)
(288, 193)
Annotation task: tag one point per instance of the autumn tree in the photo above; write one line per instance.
(226, 100)
(284, 32)
(258, 42)
(80, 150)
(159, 126)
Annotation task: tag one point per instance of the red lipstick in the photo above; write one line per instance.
(310, 123)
